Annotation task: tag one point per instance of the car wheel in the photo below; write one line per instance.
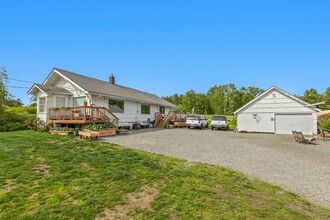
(212, 128)
(201, 127)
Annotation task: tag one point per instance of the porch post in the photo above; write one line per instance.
(85, 106)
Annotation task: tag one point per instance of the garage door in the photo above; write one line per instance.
(284, 124)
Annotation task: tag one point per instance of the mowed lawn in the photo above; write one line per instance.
(45, 176)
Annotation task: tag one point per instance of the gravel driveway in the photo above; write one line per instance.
(304, 169)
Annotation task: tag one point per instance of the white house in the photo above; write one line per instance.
(67, 90)
(276, 111)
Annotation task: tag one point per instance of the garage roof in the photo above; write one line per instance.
(274, 88)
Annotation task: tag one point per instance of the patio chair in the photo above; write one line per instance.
(295, 136)
(304, 140)
(323, 133)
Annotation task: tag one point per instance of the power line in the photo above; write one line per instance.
(20, 87)
(20, 80)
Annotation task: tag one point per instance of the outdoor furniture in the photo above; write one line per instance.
(89, 135)
(302, 139)
(324, 134)
(295, 136)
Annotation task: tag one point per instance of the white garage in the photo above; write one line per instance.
(276, 111)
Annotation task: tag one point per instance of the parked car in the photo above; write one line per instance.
(219, 122)
(197, 121)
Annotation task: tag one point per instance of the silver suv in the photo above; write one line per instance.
(219, 122)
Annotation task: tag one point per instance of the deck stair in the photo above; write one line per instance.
(172, 119)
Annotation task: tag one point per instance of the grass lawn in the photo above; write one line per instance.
(45, 176)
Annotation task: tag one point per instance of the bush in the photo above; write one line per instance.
(325, 125)
(13, 126)
(233, 122)
(22, 110)
(36, 124)
(18, 118)
(12, 122)
(99, 126)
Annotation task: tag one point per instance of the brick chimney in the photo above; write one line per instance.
(112, 79)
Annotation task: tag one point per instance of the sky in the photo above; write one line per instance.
(167, 47)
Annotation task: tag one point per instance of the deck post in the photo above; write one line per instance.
(85, 106)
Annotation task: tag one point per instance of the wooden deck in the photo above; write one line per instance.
(172, 118)
(81, 115)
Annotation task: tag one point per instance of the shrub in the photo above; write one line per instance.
(12, 122)
(233, 122)
(325, 124)
(18, 118)
(22, 110)
(99, 126)
(36, 124)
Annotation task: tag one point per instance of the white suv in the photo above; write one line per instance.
(196, 121)
(219, 122)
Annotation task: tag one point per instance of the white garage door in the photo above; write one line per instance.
(285, 124)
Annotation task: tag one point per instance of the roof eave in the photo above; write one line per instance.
(279, 90)
(132, 99)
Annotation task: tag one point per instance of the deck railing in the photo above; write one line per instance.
(82, 114)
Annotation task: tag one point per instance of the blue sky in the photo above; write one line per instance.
(167, 47)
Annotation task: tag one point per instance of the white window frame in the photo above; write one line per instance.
(57, 96)
(44, 104)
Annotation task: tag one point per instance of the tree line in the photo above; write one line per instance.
(226, 99)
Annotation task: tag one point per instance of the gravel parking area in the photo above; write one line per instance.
(303, 169)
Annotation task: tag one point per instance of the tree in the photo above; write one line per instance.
(3, 91)
(327, 95)
(312, 96)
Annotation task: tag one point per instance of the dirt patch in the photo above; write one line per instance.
(42, 167)
(8, 186)
(300, 210)
(221, 193)
(144, 198)
(140, 199)
(85, 166)
(173, 216)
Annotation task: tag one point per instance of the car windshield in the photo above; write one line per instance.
(219, 118)
(192, 118)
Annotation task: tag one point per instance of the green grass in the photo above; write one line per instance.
(45, 176)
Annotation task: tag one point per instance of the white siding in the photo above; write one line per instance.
(260, 115)
(132, 111)
(278, 103)
(100, 101)
(61, 83)
(262, 122)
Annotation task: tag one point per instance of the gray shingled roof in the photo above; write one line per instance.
(50, 88)
(102, 87)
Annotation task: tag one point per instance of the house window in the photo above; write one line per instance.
(145, 109)
(42, 104)
(162, 110)
(116, 106)
(60, 101)
(79, 101)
